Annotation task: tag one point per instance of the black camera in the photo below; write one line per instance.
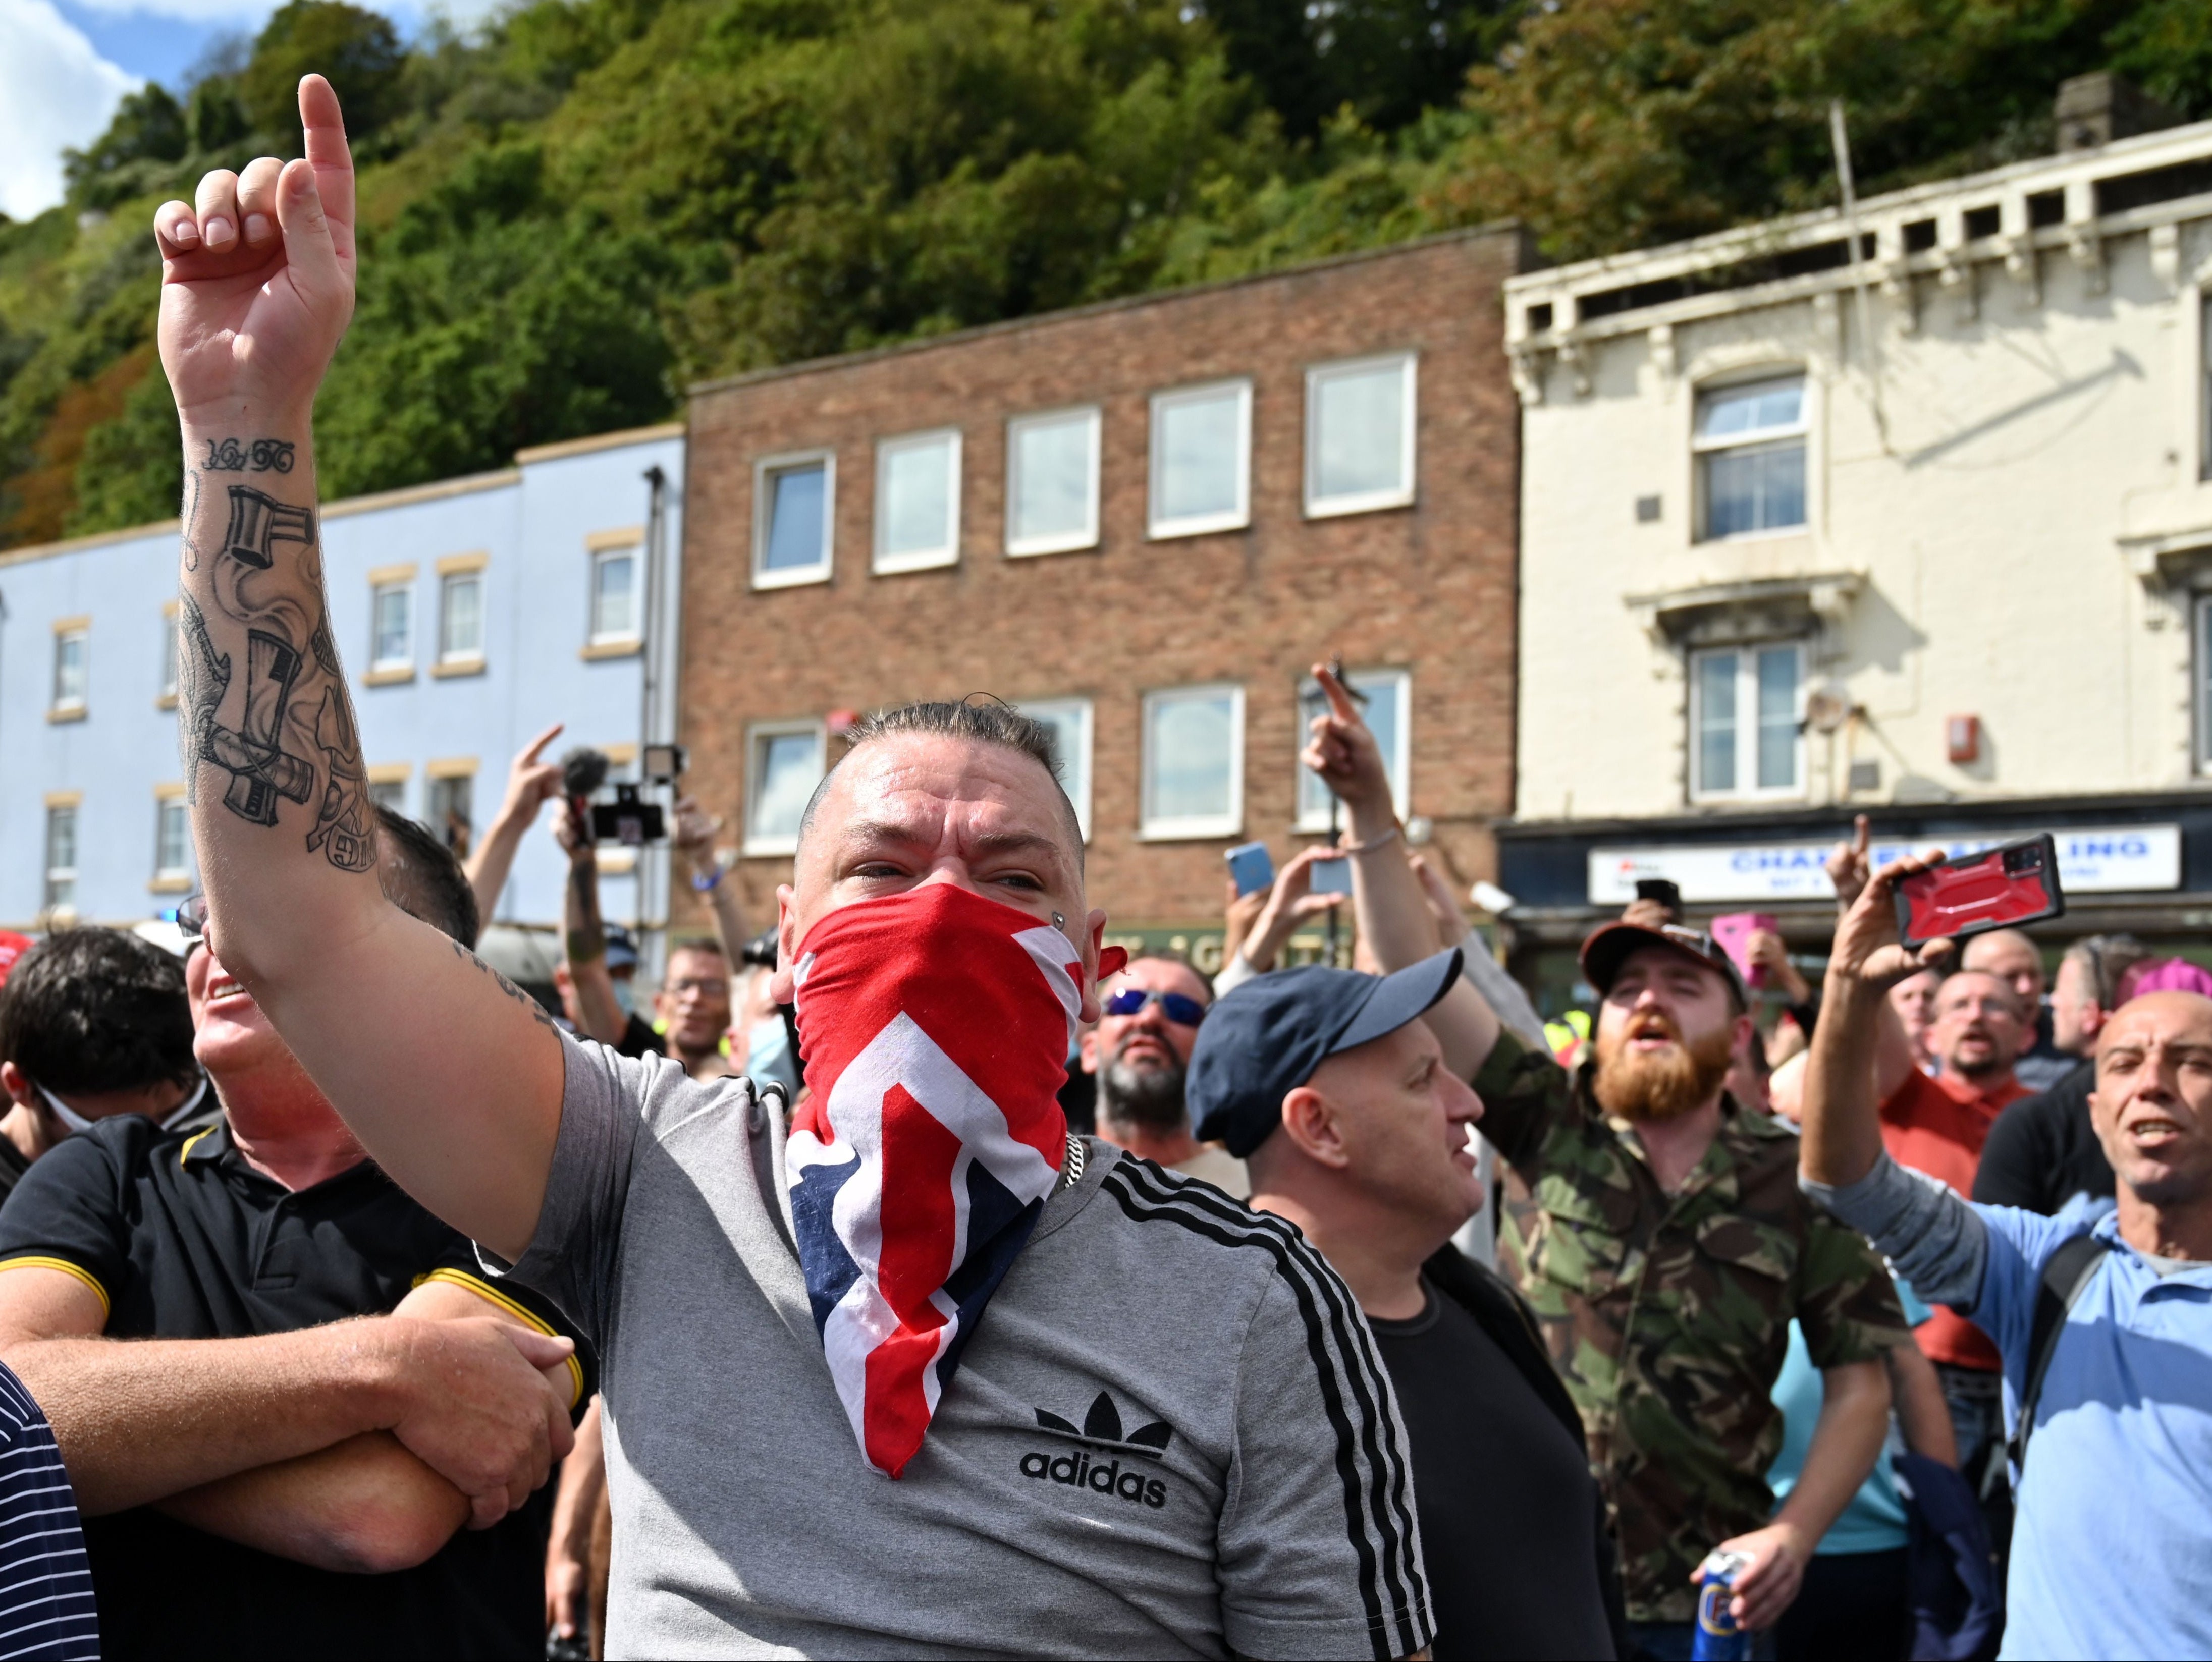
(628, 819)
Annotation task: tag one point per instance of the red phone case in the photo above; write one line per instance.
(2014, 883)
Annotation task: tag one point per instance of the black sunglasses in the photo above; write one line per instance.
(192, 921)
(1183, 1012)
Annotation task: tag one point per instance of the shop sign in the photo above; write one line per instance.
(2092, 860)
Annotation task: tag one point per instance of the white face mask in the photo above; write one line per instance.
(68, 1115)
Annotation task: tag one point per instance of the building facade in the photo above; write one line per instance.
(1143, 522)
(470, 614)
(1924, 533)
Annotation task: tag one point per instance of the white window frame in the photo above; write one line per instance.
(1399, 761)
(80, 634)
(1746, 725)
(405, 587)
(1160, 526)
(446, 580)
(1153, 827)
(776, 842)
(1701, 448)
(163, 807)
(764, 470)
(1062, 541)
(884, 562)
(444, 783)
(1079, 766)
(1400, 495)
(594, 635)
(56, 875)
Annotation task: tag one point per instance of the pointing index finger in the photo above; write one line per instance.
(1339, 700)
(536, 745)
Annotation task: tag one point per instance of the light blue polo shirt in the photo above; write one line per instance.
(2113, 1536)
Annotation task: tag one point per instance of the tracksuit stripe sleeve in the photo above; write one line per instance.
(46, 1608)
(1370, 1460)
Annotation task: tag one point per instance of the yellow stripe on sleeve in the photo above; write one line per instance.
(491, 1294)
(192, 1142)
(67, 1269)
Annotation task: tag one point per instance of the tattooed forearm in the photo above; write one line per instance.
(281, 729)
(261, 456)
(544, 1017)
(587, 935)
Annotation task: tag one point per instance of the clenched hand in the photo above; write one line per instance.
(257, 278)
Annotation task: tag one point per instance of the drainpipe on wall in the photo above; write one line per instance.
(650, 919)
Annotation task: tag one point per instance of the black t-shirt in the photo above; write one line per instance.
(1507, 1508)
(640, 1039)
(13, 1165)
(2042, 1151)
(185, 1240)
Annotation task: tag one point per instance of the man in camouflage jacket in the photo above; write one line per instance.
(1659, 1233)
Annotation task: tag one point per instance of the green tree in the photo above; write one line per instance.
(488, 320)
(149, 125)
(357, 50)
(1385, 60)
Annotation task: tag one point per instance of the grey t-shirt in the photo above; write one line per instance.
(1170, 1436)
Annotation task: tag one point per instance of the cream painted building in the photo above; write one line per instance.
(1926, 534)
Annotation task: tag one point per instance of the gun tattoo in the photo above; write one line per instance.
(258, 523)
(295, 730)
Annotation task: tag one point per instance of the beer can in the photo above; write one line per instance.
(1720, 1636)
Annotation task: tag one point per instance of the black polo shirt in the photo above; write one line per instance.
(184, 1239)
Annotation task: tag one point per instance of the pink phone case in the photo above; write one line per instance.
(1733, 931)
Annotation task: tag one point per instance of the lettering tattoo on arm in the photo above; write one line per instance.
(290, 735)
(544, 1018)
(261, 456)
(588, 933)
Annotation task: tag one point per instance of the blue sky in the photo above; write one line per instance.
(64, 64)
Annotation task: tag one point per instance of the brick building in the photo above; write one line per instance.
(1142, 521)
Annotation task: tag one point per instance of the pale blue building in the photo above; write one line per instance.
(470, 614)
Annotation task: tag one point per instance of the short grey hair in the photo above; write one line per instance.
(978, 718)
(2106, 960)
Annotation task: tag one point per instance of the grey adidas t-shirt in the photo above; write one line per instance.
(1170, 1436)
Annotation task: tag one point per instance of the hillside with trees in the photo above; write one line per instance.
(576, 211)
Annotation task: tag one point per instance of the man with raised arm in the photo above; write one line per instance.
(1656, 1229)
(2112, 1523)
(912, 1374)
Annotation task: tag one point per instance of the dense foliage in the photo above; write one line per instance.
(572, 214)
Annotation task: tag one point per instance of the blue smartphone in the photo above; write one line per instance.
(1249, 865)
(1332, 877)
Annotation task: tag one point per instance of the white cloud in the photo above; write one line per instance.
(56, 92)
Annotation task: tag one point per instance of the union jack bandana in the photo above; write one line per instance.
(936, 1025)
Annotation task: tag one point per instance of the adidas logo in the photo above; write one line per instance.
(1102, 1430)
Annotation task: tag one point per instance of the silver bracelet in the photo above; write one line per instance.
(1381, 839)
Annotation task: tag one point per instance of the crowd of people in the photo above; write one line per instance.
(353, 1302)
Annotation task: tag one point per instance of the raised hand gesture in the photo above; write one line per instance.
(258, 281)
(1341, 749)
(1868, 950)
(1848, 865)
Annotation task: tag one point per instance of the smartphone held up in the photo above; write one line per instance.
(2000, 888)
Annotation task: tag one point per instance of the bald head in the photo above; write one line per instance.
(2012, 958)
(2152, 1107)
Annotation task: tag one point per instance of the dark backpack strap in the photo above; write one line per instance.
(2065, 1273)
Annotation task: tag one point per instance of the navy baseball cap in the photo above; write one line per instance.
(622, 949)
(1265, 1039)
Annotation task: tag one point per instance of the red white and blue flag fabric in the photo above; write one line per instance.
(936, 1026)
